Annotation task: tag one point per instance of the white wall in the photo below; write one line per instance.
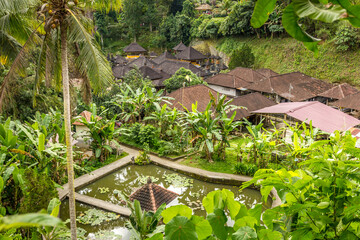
(224, 90)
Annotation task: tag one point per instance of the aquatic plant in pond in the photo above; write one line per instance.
(144, 179)
(178, 181)
(96, 217)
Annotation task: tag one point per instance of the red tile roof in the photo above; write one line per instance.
(227, 80)
(247, 74)
(87, 116)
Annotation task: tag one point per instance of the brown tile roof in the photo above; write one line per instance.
(252, 102)
(87, 116)
(120, 60)
(339, 91)
(266, 72)
(166, 55)
(180, 47)
(294, 86)
(152, 196)
(227, 80)
(351, 101)
(142, 61)
(190, 95)
(171, 66)
(134, 48)
(150, 73)
(190, 54)
(247, 74)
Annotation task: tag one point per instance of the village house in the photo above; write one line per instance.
(134, 50)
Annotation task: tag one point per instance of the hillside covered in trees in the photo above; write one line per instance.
(157, 25)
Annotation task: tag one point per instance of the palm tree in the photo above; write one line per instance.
(63, 22)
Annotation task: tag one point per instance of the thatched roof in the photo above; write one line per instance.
(151, 196)
(120, 71)
(180, 47)
(166, 55)
(153, 54)
(339, 91)
(134, 48)
(142, 61)
(171, 66)
(351, 102)
(190, 54)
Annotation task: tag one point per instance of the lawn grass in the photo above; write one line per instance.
(227, 166)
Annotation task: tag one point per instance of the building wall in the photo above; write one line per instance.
(224, 90)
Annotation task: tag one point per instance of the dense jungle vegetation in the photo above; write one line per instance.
(45, 44)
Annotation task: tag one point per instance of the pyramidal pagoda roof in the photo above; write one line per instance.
(134, 48)
(151, 196)
(190, 54)
(180, 47)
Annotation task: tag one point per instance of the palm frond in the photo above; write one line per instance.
(10, 47)
(91, 61)
(103, 5)
(17, 67)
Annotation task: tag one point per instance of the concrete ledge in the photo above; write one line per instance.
(94, 175)
(123, 211)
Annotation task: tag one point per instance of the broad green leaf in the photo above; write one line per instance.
(256, 212)
(347, 235)
(267, 234)
(261, 13)
(202, 226)
(157, 236)
(231, 204)
(302, 234)
(29, 220)
(41, 146)
(317, 12)
(217, 220)
(178, 210)
(323, 205)
(244, 233)
(1, 184)
(97, 152)
(265, 191)
(180, 228)
(269, 216)
(245, 221)
(54, 207)
(290, 23)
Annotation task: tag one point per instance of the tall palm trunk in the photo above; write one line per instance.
(67, 117)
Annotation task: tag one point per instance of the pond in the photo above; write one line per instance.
(128, 179)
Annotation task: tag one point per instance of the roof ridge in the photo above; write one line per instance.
(306, 104)
(153, 200)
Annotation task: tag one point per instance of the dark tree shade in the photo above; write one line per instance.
(242, 57)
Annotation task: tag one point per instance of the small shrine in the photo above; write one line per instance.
(151, 196)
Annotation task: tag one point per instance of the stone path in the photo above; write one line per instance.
(213, 177)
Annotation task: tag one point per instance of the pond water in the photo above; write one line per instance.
(128, 179)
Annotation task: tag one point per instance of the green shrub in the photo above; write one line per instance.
(38, 190)
(148, 136)
(181, 77)
(242, 57)
(247, 169)
(142, 159)
(347, 38)
(134, 132)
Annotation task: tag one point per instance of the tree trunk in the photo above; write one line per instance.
(67, 117)
(151, 27)
(48, 69)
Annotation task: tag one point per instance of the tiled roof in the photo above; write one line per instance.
(87, 116)
(190, 54)
(190, 95)
(120, 60)
(227, 80)
(252, 102)
(152, 196)
(180, 47)
(163, 57)
(294, 86)
(351, 101)
(266, 72)
(134, 48)
(247, 74)
(150, 73)
(153, 54)
(339, 91)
